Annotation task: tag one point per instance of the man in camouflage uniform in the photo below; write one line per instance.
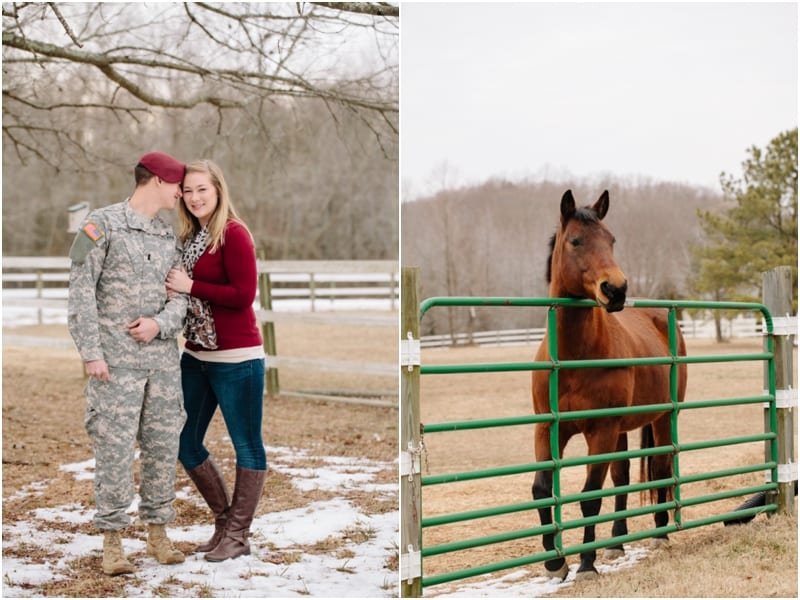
(125, 328)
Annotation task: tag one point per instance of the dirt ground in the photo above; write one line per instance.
(43, 402)
(475, 396)
(43, 409)
(43, 412)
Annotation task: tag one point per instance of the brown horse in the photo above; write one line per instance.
(582, 265)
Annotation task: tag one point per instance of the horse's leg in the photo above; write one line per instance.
(542, 489)
(599, 441)
(620, 475)
(662, 469)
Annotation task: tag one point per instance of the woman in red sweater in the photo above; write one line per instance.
(223, 360)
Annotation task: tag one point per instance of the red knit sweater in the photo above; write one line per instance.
(228, 280)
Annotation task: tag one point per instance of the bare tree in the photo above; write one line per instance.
(491, 240)
(298, 102)
(120, 61)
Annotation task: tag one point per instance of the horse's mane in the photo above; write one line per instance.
(584, 215)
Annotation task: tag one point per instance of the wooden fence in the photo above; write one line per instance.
(311, 290)
(318, 283)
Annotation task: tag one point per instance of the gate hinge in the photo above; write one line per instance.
(787, 473)
(410, 352)
(783, 398)
(411, 565)
(783, 325)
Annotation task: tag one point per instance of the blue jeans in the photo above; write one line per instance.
(238, 390)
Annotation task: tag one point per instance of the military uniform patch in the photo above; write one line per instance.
(92, 231)
(86, 241)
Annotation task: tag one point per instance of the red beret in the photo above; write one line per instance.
(164, 166)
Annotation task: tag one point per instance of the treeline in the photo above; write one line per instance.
(492, 240)
(312, 181)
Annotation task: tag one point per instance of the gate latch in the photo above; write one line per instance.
(410, 460)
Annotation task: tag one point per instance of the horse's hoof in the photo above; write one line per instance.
(613, 553)
(558, 573)
(659, 542)
(586, 575)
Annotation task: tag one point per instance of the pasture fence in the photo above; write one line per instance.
(316, 284)
(779, 465)
(739, 327)
(347, 294)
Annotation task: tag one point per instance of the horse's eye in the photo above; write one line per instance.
(576, 242)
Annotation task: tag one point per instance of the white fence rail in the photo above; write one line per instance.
(36, 283)
(342, 293)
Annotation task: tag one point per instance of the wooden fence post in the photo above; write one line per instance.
(392, 285)
(410, 447)
(777, 297)
(39, 294)
(268, 333)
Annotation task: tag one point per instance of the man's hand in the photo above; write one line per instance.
(144, 330)
(98, 369)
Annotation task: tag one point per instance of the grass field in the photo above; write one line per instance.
(735, 562)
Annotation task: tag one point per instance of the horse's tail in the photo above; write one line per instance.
(647, 468)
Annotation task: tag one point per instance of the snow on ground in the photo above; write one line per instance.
(365, 574)
(520, 584)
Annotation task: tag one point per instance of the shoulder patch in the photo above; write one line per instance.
(92, 231)
(87, 240)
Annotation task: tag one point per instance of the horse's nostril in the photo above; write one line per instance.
(611, 291)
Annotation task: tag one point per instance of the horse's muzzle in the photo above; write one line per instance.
(615, 295)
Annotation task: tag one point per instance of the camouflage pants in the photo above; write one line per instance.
(135, 405)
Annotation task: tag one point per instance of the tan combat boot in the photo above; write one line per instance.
(114, 561)
(159, 546)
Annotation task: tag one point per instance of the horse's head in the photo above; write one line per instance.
(582, 261)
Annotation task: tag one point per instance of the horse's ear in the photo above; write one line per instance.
(567, 207)
(601, 206)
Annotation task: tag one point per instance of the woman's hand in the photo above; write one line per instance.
(178, 281)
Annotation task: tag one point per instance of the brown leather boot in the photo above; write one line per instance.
(246, 494)
(211, 485)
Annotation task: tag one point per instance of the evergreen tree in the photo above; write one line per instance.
(757, 228)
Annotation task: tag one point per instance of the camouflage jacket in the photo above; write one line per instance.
(120, 260)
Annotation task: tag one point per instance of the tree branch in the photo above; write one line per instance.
(290, 86)
(376, 9)
(72, 105)
(64, 23)
(220, 60)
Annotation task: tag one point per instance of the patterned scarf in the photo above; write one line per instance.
(199, 326)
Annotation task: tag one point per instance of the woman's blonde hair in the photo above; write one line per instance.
(188, 225)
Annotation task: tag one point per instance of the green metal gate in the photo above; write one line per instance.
(411, 563)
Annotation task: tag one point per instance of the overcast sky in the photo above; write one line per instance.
(672, 92)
